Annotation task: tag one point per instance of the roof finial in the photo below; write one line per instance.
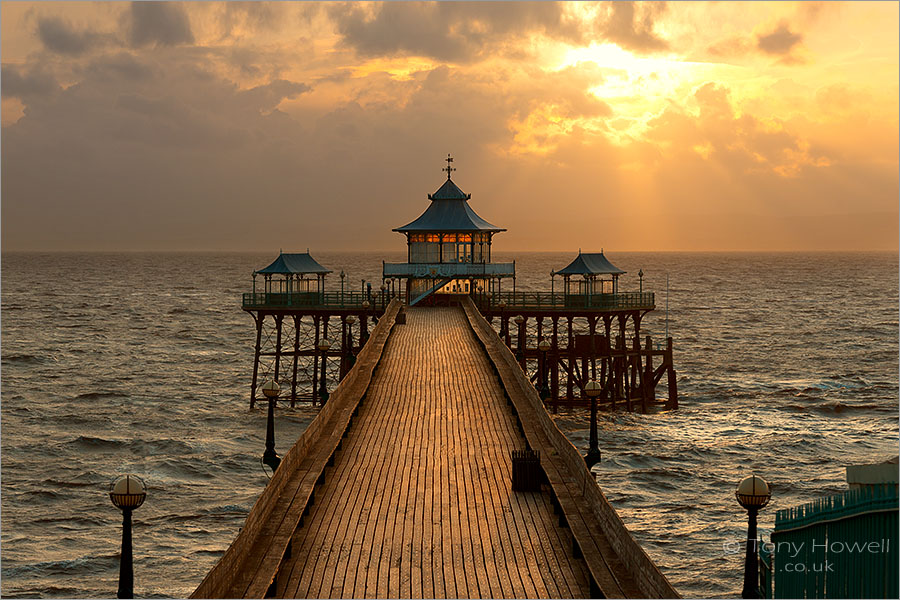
(448, 168)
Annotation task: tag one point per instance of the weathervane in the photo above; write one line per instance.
(448, 168)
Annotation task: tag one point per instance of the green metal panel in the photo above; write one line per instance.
(842, 546)
(765, 569)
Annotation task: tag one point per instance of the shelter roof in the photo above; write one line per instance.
(449, 211)
(592, 263)
(294, 264)
(449, 191)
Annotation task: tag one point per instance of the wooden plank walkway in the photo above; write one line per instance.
(418, 502)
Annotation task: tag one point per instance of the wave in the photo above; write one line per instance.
(99, 395)
(84, 565)
(23, 359)
(73, 522)
(88, 442)
(835, 407)
(86, 479)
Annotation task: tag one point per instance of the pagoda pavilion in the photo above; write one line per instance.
(591, 267)
(449, 248)
(294, 278)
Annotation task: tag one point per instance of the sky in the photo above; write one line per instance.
(745, 126)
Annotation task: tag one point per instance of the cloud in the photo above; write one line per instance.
(732, 46)
(58, 36)
(448, 31)
(120, 66)
(266, 97)
(742, 145)
(162, 23)
(27, 85)
(631, 26)
(781, 41)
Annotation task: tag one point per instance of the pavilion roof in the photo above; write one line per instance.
(449, 211)
(592, 263)
(294, 264)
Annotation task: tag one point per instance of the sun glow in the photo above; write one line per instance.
(636, 87)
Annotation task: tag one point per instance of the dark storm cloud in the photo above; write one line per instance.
(163, 23)
(632, 28)
(27, 84)
(60, 37)
(449, 31)
(781, 41)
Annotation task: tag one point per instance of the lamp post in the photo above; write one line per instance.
(593, 389)
(127, 493)
(752, 493)
(544, 347)
(641, 277)
(383, 299)
(270, 390)
(342, 286)
(323, 347)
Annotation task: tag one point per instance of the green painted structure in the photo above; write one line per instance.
(842, 546)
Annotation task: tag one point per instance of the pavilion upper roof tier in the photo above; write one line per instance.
(592, 263)
(449, 212)
(294, 264)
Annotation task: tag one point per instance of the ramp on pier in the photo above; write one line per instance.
(401, 487)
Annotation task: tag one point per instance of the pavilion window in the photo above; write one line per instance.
(448, 248)
(424, 252)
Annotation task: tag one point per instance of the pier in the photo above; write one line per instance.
(401, 486)
(433, 468)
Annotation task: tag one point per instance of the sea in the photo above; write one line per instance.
(140, 363)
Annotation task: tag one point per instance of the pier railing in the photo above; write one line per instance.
(517, 300)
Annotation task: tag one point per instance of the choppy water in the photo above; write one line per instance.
(112, 363)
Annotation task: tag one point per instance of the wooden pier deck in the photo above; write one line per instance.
(419, 503)
(401, 488)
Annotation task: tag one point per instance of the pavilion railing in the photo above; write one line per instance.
(541, 300)
(264, 300)
(441, 270)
